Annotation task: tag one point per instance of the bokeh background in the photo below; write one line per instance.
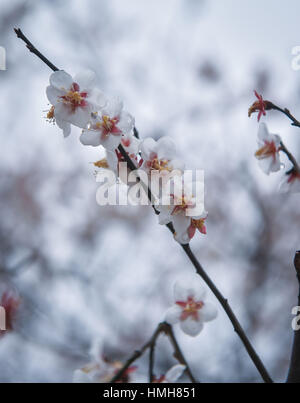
(187, 69)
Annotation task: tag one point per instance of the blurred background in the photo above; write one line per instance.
(186, 69)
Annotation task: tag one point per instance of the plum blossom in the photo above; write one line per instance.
(259, 106)
(195, 224)
(73, 99)
(10, 301)
(268, 152)
(186, 209)
(113, 159)
(100, 370)
(108, 126)
(290, 182)
(160, 155)
(190, 309)
(172, 375)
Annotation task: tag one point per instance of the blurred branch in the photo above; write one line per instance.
(286, 112)
(224, 302)
(162, 328)
(294, 371)
(290, 156)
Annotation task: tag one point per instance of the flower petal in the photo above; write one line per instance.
(80, 376)
(181, 223)
(189, 287)
(113, 108)
(148, 147)
(175, 373)
(173, 315)
(61, 80)
(263, 133)
(80, 117)
(208, 312)
(126, 123)
(53, 94)
(65, 126)
(90, 138)
(191, 327)
(85, 79)
(166, 148)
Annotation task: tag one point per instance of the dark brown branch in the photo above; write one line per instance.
(294, 371)
(34, 50)
(162, 328)
(177, 352)
(236, 325)
(286, 112)
(290, 157)
(151, 361)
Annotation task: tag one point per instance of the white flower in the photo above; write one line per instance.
(160, 155)
(73, 99)
(108, 126)
(172, 375)
(186, 208)
(100, 370)
(197, 223)
(268, 152)
(290, 182)
(190, 309)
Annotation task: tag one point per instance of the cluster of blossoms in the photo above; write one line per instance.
(101, 370)
(104, 122)
(270, 145)
(191, 310)
(77, 101)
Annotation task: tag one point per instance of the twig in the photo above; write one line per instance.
(237, 327)
(290, 156)
(151, 361)
(294, 370)
(34, 50)
(161, 328)
(286, 112)
(177, 352)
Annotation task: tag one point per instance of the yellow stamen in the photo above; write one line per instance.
(102, 163)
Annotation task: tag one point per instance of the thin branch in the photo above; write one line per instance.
(178, 353)
(227, 308)
(294, 371)
(151, 361)
(237, 327)
(162, 328)
(34, 50)
(286, 112)
(290, 156)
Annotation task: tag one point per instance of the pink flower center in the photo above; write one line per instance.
(197, 225)
(74, 98)
(268, 150)
(261, 107)
(181, 204)
(108, 126)
(190, 308)
(154, 164)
